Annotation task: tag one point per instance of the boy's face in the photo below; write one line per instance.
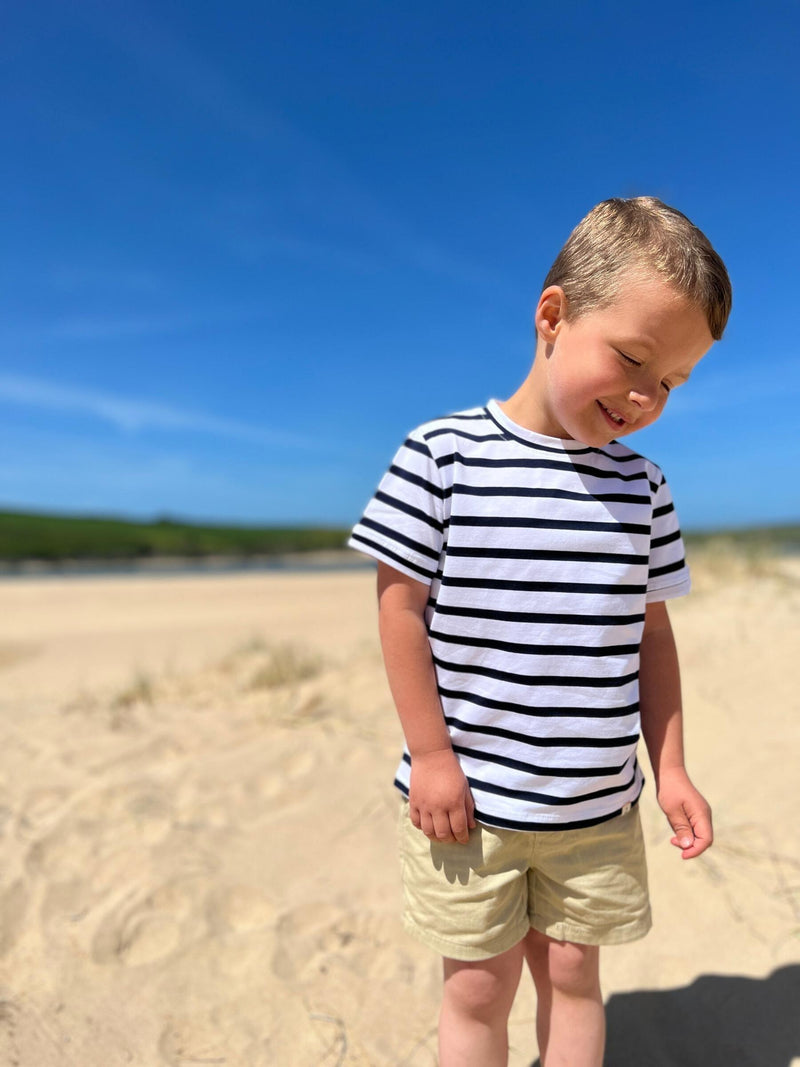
(610, 371)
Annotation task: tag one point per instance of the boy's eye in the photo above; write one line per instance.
(667, 387)
(633, 362)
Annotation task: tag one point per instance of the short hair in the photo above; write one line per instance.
(647, 235)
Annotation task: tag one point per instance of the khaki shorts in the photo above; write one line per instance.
(474, 901)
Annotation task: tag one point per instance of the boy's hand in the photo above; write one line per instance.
(687, 813)
(440, 801)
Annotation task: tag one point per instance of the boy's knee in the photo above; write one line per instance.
(482, 992)
(574, 969)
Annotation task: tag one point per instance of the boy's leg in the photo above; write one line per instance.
(570, 1017)
(477, 999)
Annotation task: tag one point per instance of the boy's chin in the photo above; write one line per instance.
(599, 438)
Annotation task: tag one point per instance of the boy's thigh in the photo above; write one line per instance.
(589, 886)
(465, 901)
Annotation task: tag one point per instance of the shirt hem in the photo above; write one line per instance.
(497, 822)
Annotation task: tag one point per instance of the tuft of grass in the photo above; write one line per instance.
(255, 643)
(719, 560)
(141, 690)
(286, 665)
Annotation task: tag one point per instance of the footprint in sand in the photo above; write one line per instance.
(150, 928)
(99, 825)
(306, 939)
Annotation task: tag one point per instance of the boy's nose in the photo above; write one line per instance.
(644, 400)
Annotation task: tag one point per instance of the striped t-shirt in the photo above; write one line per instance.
(540, 554)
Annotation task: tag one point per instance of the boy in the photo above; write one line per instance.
(524, 558)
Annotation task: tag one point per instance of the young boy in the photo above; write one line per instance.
(524, 558)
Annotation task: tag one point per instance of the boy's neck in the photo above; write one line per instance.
(524, 406)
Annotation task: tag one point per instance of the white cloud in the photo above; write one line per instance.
(130, 414)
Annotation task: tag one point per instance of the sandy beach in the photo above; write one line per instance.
(198, 833)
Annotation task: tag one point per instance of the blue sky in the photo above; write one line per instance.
(247, 246)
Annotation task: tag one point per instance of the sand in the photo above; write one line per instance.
(198, 833)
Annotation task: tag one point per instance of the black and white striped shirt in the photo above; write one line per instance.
(540, 554)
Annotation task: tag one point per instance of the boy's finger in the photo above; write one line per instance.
(681, 827)
(470, 811)
(684, 835)
(459, 825)
(692, 838)
(441, 826)
(698, 846)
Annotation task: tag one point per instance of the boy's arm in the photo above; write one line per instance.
(662, 728)
(440, 802)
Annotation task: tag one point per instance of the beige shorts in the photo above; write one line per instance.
(474, 901)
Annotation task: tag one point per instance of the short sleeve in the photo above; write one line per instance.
(668, 576)
(403, 523)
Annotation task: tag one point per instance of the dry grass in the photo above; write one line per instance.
(286, 665)
(140, 690)
(721, 561)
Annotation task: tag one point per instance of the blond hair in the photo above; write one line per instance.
(645, 235)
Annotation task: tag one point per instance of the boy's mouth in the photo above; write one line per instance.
(613, 417)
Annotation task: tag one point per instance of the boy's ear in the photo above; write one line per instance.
(550, 311)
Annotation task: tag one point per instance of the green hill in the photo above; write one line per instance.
(54, 538)
(30, 536)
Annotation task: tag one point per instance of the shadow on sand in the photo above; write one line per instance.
(717, 1021)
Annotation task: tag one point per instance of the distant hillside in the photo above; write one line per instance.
(58, 538)
(54, 538)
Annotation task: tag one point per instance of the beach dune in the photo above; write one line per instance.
(198, 833)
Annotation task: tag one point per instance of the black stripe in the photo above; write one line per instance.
(546, 798)
(538, 464)
(533, 768)
(539, 712)
(380, 550)
(415, 479)
(659, 542)
(470, 552)
(455, 432)
(533, 650)
(407, 509)
(393, 535)
(461, 489)
(541, 587)
(542, 827)
(537, 679)
(665, 509)
(549, 524)
(418, 446)
(670, 568)
(535, 616)
(541, 742)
